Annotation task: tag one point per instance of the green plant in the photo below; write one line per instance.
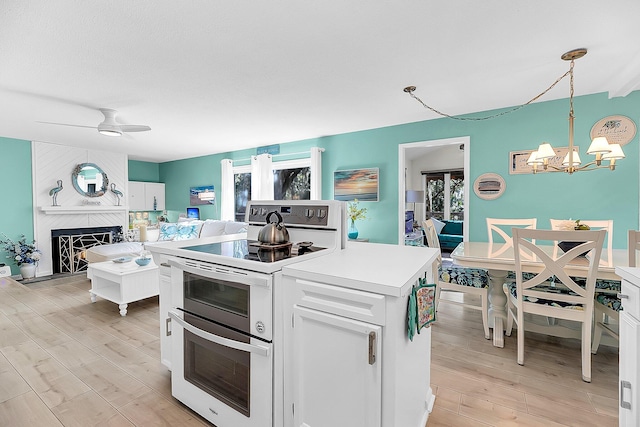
(21, 251)
(354, 212)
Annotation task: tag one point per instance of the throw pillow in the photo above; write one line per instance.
(188, 230)
(439, 225)
(233, 227)
(212, 227)
(168, 231)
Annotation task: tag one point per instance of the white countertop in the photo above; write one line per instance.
(630, 274)
(372, 267)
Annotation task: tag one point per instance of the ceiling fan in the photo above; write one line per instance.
(109, 126)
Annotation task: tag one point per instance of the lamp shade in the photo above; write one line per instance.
(413, 196)
(616, 152)
(599, 145)
(576, 159)
(545, 151)
(533, 159)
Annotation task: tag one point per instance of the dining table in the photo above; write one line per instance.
(498, 259)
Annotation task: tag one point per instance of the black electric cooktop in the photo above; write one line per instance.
(255, 251)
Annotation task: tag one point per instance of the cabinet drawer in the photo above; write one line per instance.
(350, 303)
(631, 304)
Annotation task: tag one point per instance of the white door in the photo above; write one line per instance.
(629, 373)
(336, 371)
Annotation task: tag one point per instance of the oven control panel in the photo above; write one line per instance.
(292, 214)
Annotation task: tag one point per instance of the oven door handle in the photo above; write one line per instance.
(251, 348)
(221, 273)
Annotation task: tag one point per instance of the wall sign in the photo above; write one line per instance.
(518, 160)
(617, 129)
(489, 186)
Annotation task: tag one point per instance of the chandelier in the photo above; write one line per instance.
(539, 159)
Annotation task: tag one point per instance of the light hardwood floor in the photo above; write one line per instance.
(64, 361)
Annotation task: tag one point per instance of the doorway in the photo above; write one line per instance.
(408, 152)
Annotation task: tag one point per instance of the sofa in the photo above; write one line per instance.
(449, 233)
(166, 232)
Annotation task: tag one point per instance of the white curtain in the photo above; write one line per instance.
(316, 173)
(261, 177)
(227, 203)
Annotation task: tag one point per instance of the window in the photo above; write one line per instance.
(242, 191)
(445, 195)
(291, 181)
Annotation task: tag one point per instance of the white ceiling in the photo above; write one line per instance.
(212, 76)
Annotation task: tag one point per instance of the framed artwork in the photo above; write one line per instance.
(202, 195)
(518, 160)
(361, 184)
(489, 186)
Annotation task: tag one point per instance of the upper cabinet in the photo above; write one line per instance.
(146, 196)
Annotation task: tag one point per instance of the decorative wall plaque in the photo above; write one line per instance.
(489, 186)
(617, 129)
(518, 160)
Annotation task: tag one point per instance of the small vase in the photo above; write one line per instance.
(353, 231)
(28, 271)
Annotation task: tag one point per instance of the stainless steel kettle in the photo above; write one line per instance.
(274, 232)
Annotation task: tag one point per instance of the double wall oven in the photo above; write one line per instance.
(225, 319)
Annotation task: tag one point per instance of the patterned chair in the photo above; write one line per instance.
(562, 299)
(608, 304)
(454, 278)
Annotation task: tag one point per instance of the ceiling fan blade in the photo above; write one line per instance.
(134, 128)
(67, 124)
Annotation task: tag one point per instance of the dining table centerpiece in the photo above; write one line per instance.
(355, 213)
(571, 225)
(25, 254)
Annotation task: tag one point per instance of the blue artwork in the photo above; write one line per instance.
(204, 195)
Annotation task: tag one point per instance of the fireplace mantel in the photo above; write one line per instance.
(83, 209)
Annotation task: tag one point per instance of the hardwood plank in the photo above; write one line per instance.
(11, 384)
(89, 409)
(152, 409)
(26, 410)
(443, 418)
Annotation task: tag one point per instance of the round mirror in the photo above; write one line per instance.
(89, 180)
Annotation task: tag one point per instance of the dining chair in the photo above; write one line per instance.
(600, 224)
(499, 233)
(454, 278)
(608, 304)
(564, 298)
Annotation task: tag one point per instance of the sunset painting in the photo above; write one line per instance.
(361, 184)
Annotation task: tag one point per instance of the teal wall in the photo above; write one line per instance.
(585, 195)
(144, 171)
(16, 215)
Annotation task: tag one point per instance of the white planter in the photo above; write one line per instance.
(28, 271)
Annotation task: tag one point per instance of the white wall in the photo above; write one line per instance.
(53, 162)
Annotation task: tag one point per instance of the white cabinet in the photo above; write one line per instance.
(336, 370)
(629, 385)
(165, 306)
(146, 196)
(347, 357)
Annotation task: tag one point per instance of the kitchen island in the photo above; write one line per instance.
(348, 359)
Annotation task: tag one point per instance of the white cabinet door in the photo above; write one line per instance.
(136, 196)
(336, 371)
(154, 196)
(629, 385)
(165, 306)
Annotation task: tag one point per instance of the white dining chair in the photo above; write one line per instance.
(499, 234)
(454, 278)
(607, 305)
(564, 299)
(594, 224)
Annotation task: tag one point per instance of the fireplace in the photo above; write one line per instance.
(68, 246)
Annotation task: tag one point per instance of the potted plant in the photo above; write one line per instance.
(26, 255)
(355, 213)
